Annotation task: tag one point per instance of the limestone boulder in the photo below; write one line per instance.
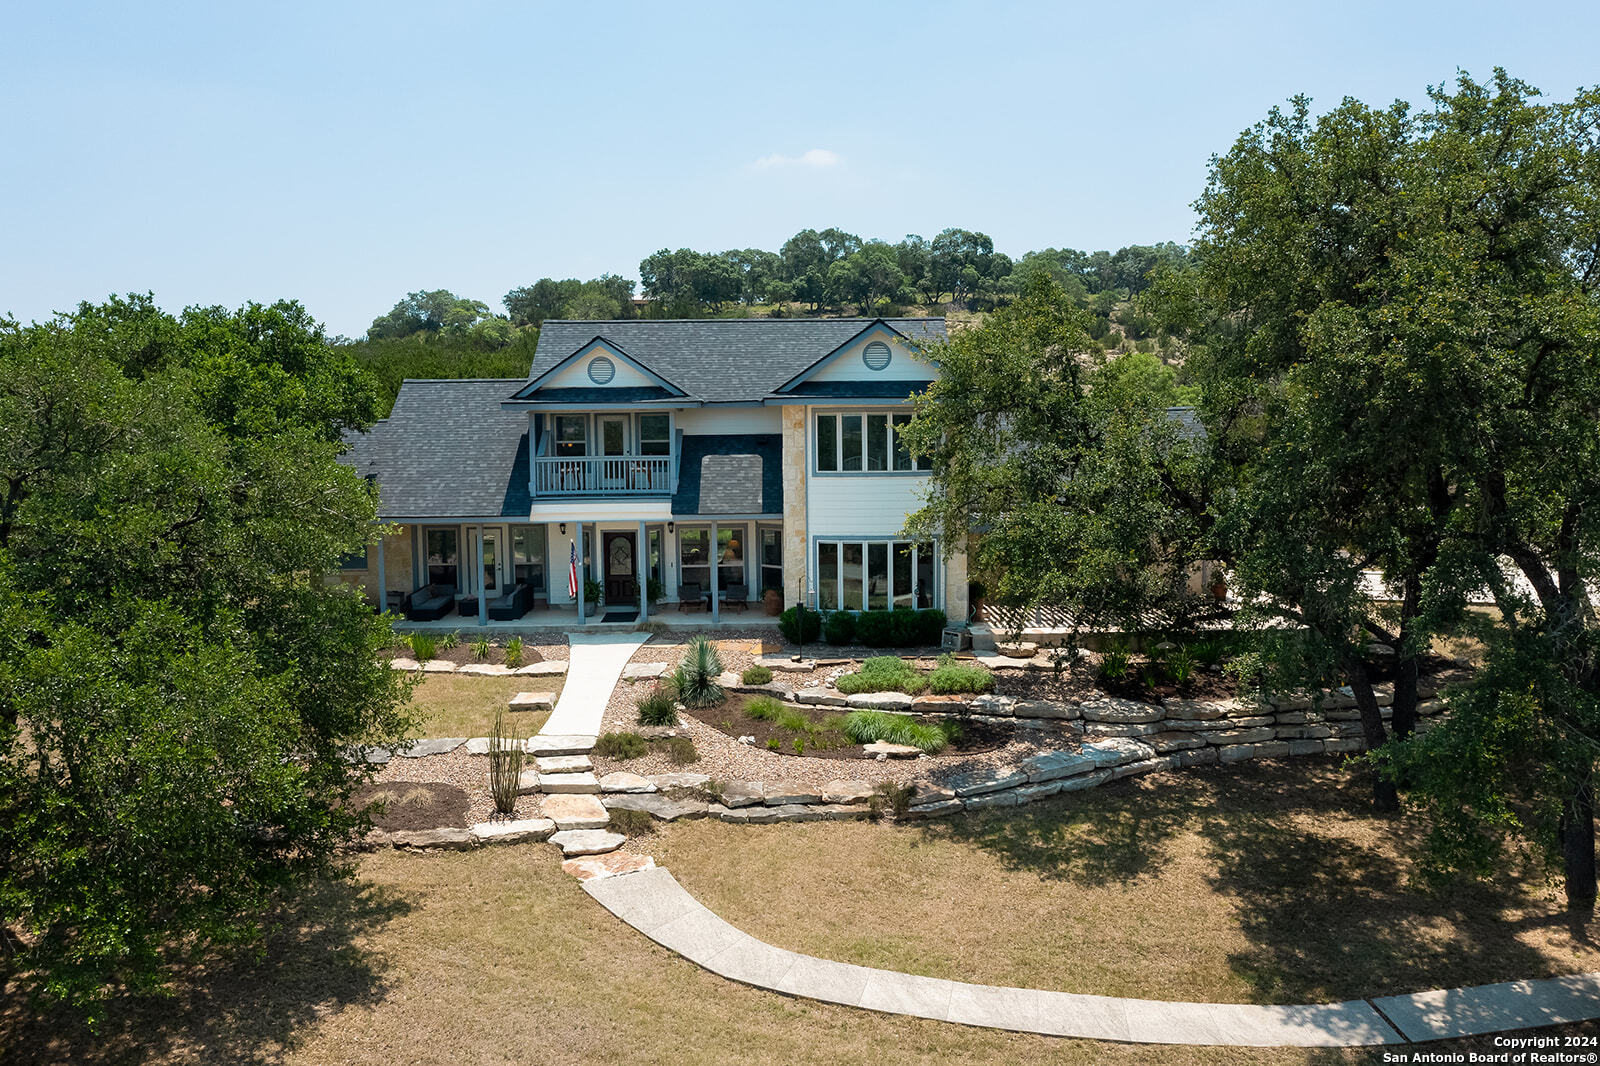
(575, 811)
(622, 781)
(820, 697)
(1113, 709)
(517, 831)
(562, 764)
(612, 864)
(846, 791)
(742, 793)
(587, 841)
(1045, 709)
(443, 839)
(878, 701)
(657, 805)
(557, 784)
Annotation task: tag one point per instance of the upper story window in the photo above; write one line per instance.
(572, 435)
(864, 442)
(655, 435)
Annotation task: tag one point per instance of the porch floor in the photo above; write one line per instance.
(667, 614)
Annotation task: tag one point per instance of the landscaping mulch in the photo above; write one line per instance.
(731, 720)
(414, 805)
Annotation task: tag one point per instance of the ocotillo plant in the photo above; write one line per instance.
(506, 756)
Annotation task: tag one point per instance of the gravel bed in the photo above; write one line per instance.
(469, 773)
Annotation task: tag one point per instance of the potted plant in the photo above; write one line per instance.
(593, 595)
(654, 590)
(772, 600)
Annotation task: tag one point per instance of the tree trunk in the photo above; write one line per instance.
(1404, 722)
(1577, 843)
(1384, 794)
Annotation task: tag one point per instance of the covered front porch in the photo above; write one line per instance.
(606, 564)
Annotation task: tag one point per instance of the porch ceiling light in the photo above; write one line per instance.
(563, 529)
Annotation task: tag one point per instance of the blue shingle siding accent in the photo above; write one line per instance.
(628, 394)
(859, 390)
(768, 447)
(447, 450)
(719, 360)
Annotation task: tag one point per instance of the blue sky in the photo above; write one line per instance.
(345, 154)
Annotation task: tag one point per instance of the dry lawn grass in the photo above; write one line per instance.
(464, 706)
(495, 956)
(1259, 884)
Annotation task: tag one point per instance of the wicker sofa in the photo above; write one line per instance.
(430, 602)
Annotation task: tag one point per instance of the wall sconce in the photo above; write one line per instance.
(669, 527)
(563, 529)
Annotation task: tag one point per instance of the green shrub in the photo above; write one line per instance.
(480, 648)
(1180, 667)
(632, 823)
(799, 745)
(789, 624)
(883, 673)
(1116, 664)
(930, 626)
(658, 706)
(840, 627)
(1209, 652)
(506, 752)
(780, 714)
(696, 676)
(620, 746)
(773, 745)
(756, 675)
(423, 646)
(876, 629)
(450, 640)
(514, 652)
(866, 727)
(951, 677)
(681, 751)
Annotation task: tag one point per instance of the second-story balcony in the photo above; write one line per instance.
(605, 475)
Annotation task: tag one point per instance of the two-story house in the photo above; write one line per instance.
(712, 458)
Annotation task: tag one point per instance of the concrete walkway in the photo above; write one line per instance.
(654, 903)
(595, 662)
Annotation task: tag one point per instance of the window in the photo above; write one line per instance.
(572, 435)
(527, 556)
(613, 435)
(654, 537)
(827, 442)
(875, 574)
(655, 435)
(850, 442)
(730, 556)
(771, 559)
(355, 560)
(694, 557)
(827, 576)
(865, 442)
(442, 560)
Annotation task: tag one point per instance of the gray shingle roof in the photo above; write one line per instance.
(448, 450)
(764, 496)
(719, 359)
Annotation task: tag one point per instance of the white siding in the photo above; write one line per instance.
(576, 376)
(698, 421)
(861, 505)
(903, 366)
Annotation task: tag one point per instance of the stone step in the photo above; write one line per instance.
(552, 668)
(587, 841)
(612, 864)
(517, 831)
(533, 701)
(643, 671)
(485, 670)
(575, 811)
(620, 781)
(438, 666)
(560, 744)
(583, 783)
(563, 764)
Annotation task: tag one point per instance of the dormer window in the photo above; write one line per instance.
(602, 370)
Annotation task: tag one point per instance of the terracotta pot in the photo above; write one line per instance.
(772, 601)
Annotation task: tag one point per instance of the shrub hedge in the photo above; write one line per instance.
(789, 625)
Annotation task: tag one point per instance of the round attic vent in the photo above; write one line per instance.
(602, 370)
(876, 355)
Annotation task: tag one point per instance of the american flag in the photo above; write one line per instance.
(572, 573)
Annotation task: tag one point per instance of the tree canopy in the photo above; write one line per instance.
(180, 686)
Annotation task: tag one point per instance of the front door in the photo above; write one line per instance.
(622, 582)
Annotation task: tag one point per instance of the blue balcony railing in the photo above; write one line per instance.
(604, 475)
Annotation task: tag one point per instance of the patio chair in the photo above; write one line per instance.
(430, 603)
(691, 594)
(736, 596)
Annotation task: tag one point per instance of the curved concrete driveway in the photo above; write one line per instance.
(654, 903)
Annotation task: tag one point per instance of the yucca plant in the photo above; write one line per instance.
(480, 648)
(696, 676)
(506, 756)
(514, 652)
(423, 646)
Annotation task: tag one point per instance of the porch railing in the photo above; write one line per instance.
(603, 475)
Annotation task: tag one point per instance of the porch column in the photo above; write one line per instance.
(716, 608)
(383, 583)
(641, 563)
(581, 570)
(483, 593)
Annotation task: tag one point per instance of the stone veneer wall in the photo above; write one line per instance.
(795, 552)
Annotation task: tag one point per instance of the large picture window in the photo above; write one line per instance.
(443, 562)
(527, 556)
(875, 574)
(865, 442)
